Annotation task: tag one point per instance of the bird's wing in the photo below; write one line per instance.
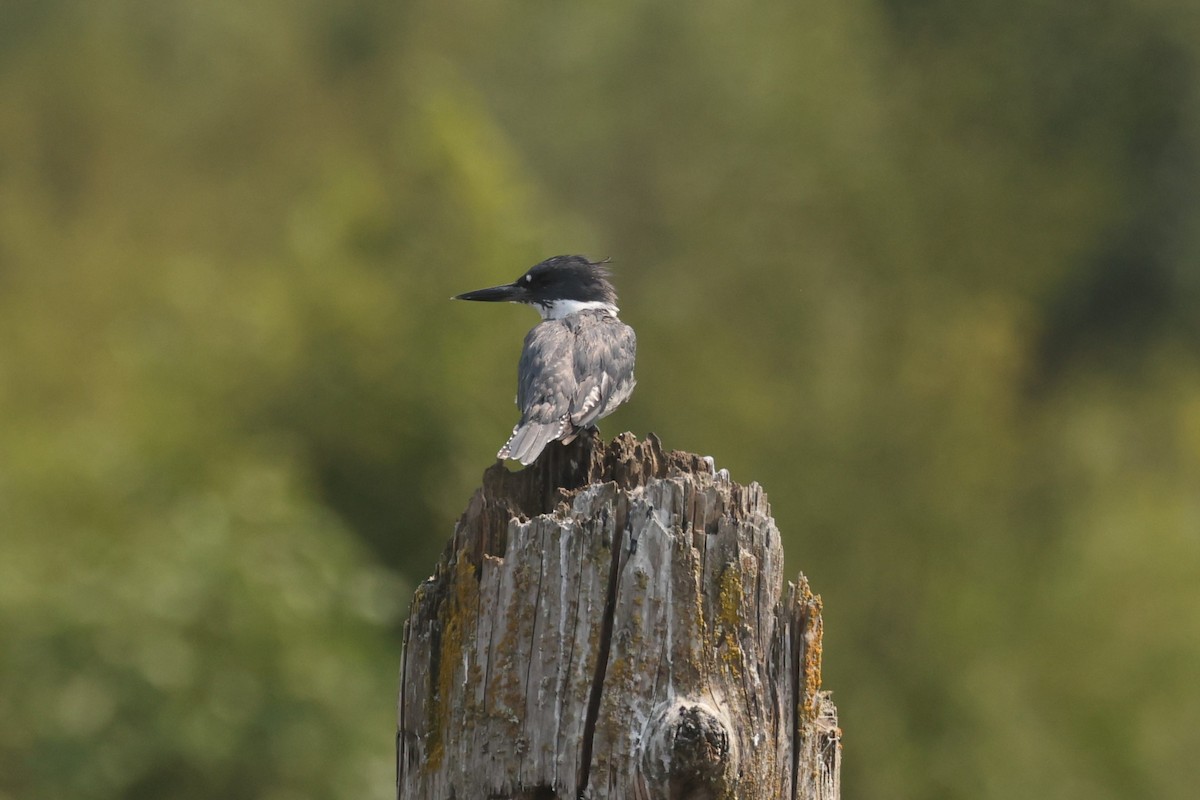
(546, 388)
(545, 378)
(569, 376)
(604, 357)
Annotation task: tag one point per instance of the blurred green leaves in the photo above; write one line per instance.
(223, 642)
(924, 270)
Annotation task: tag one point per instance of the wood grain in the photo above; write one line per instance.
(612, 622)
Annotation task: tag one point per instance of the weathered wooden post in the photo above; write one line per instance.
(612, 622)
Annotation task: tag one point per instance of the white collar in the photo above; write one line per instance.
(564, 308)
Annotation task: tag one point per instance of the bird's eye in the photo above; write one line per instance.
(528, 278)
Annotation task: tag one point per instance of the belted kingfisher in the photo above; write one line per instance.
(577, 363)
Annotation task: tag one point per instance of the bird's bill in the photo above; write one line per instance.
(511, 293)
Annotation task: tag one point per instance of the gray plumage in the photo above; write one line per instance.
(573, 371)
(577, 364)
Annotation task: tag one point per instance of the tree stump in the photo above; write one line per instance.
(612, 622)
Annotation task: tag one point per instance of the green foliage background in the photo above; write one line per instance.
(928, 271)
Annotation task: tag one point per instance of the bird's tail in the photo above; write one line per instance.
(530, 438)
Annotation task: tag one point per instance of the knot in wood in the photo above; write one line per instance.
(690, 752)
(612, 622)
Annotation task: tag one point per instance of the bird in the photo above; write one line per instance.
(577, 363)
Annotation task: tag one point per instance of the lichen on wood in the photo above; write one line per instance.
(612, 622)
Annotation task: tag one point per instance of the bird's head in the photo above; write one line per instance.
(556, 287)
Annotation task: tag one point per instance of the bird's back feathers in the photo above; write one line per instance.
(573, 371)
